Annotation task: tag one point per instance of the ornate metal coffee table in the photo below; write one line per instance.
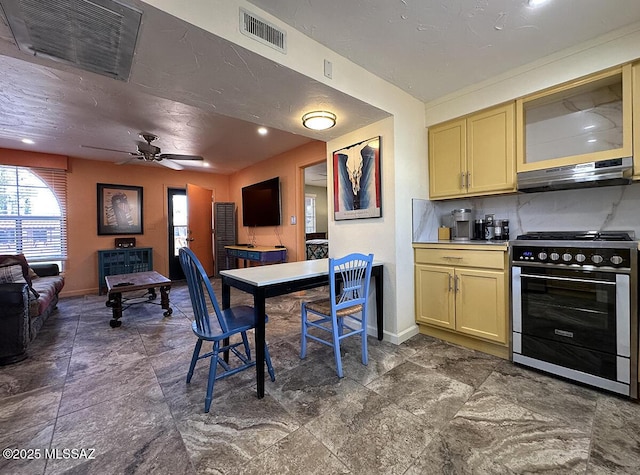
(120, 283)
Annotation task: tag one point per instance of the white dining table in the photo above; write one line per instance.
(278, 279)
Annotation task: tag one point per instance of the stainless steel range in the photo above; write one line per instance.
(574, 302)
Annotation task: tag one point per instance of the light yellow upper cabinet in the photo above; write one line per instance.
(578, 122)
(447, 159)
(636, 121)
(491, 151)
(473, 155)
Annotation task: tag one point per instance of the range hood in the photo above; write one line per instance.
(616, 171)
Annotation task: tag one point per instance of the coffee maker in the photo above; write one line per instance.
(462, 224)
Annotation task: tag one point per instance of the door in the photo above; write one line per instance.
(480, 309)
(491, 150)
(447, 159)
(200, 225)
(571, 307)
(434, 296)
(177, 201)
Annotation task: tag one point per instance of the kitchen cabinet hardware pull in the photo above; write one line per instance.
(450, 279)
(567, 279)
(456, 286)
(468, 180)
(453, 257)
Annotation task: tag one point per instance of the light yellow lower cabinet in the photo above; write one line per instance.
(480, 304)
(463, 305)
(435, 302)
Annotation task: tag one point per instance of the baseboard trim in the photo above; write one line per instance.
(468, 342)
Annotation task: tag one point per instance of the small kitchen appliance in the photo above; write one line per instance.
(463, 224)
(574, 306)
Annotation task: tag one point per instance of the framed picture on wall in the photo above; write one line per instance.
(356, 181)
(119, 209)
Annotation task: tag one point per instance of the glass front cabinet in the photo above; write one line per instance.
(582, 121)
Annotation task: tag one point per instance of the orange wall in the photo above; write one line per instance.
(81, 270)
(287, 166)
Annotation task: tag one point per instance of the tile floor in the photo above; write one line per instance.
(424, 407)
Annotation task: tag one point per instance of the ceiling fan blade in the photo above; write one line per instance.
(173, 156)
(106, 149)
(170, 164)
(123, 162)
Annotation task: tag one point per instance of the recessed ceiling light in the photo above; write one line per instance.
(263, 131)
(536, 3)
(587, 127)
(592, 140)
(28, 141)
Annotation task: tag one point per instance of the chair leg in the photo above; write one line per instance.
(247, 350)
(212, 376)
(267, 358)
(336, 347)
(194, 359)
(365, 353)
(303, 343)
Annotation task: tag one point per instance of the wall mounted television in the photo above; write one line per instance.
(261, 203)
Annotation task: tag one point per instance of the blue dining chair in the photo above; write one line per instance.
(344, 309)
(228, 323)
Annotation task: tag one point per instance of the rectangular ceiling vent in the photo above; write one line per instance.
(262, 31)
(98, 35)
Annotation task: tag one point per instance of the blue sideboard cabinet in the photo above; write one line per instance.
(260, 254)
(122, 261)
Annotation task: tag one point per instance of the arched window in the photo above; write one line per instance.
(33, 217)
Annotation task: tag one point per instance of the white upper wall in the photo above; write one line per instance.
(612, 49)
(404, 154)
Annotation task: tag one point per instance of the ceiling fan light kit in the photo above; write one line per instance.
(319, 120)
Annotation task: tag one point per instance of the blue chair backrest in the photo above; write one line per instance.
(354, 271)
(200, 291)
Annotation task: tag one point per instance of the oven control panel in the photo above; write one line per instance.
(595, 257)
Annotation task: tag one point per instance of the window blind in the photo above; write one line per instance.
(33, 213)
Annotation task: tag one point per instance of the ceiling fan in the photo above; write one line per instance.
(150, 153)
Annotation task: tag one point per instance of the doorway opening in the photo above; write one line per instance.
(316, 211)
(177, 199)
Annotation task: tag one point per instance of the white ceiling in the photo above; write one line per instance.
(205, 96)
(430, 48)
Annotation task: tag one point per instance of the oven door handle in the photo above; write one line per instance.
(567, 279)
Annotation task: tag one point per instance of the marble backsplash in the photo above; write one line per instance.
(611, 208)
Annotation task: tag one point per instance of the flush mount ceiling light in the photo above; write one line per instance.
(536, 3)
(319, 120)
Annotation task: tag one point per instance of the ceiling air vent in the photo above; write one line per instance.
(97, 35)
(262, 31)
